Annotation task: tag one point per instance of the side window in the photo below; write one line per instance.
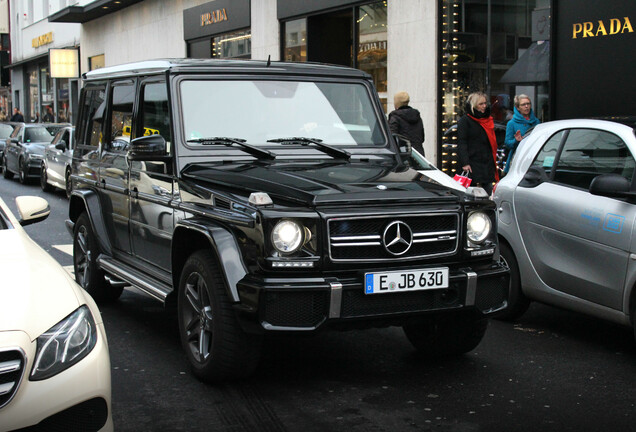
(155, 114)
(588, 153)
(92, 116)
(545, 158)
(65, 139)
(121, 113)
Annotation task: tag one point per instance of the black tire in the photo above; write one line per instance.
(87, 273)
(68, 185)
(23, 171)
(6, 173)
(448, 335)
(517, 302)
(216, 347)
(46, 187)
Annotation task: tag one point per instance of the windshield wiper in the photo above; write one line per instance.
(330, 150)
(226, 141)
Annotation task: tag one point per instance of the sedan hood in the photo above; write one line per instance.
(35, 292)
(323, 184)
(37, 148)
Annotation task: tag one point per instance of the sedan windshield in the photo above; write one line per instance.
(37, 134)
(338, 114)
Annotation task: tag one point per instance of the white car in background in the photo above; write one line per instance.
(54, 360)
(432, 173)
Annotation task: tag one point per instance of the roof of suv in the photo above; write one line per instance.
(187, 65)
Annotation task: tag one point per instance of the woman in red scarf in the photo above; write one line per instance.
(476, 144)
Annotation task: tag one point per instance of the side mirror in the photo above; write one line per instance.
(61, 145)
(32, 209)
(148, 148)
(534, 177)
(612, 186)
(404, 146)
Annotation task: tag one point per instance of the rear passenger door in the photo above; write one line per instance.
(113, 167)
(578, 242)
(151, 182)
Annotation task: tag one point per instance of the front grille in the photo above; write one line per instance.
(492, 292)
(357, 304)
(295, 309)
(363, 239)
(11, 369)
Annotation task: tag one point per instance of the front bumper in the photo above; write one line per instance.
(77, 399)
(307, 304)
(34, 168)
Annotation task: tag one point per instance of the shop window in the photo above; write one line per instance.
(295, 47)
(32, 115)
(372, 45)
(233, 45)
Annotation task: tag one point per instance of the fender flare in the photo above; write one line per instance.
(233, 268)
(88, 200)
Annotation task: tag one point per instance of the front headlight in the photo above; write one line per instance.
(479, 226)
(35, 156)
(287, 236)
(64, 344)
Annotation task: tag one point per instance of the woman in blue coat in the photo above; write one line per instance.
(522, 120)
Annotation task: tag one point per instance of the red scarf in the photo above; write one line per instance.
(489, 126)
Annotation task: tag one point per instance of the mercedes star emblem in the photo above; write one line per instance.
(397, 238)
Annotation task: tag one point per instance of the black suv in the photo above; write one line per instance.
(271, 197)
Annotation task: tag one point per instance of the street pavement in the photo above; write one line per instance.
(553, 370)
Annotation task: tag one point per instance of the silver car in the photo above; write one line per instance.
(56, 166)
(567, 210)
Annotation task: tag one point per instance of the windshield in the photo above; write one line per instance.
(339, 114)
(37, 134)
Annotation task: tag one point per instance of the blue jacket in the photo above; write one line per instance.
(517, 123)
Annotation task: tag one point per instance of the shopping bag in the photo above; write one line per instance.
(463, 179)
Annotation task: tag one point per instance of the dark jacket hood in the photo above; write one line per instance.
(407, 113)
(320, 184)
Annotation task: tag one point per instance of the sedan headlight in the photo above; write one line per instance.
(64, 344)
(35, 156)
(479, 226)
(287, 236)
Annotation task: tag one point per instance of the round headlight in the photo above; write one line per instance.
(479, 227)
(287, 236)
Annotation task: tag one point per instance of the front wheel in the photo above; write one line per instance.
(23, 171)
(44, 184)
(87, 273)
(446, 336)
(216, 346)
(517, 302)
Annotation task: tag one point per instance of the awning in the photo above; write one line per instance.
(532, 67)
(93, 10)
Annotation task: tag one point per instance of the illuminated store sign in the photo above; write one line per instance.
(602, 28)
(213, 17)
(64, 63)
(44, 39)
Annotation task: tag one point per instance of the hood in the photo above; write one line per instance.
(35, 291)
(36, 147)
(407, 113)
(322, 184)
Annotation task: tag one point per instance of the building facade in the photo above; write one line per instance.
(438, 51)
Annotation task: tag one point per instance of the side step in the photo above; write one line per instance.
(154, 288)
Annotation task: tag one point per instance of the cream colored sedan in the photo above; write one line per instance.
(54, 361)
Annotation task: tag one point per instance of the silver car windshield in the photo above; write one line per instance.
(337, 114)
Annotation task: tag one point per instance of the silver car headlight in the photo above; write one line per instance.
(287, 236)
(64, 344)
(35, 156)
(479, 227)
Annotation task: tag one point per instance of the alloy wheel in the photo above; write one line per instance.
(82, 257)
(198, 317)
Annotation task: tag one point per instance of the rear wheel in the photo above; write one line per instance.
(44, 184)
(216, 346)
(87, 273)
(448, 335)
(6, 173)
(517, 302)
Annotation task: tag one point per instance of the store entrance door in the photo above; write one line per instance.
(330, 38)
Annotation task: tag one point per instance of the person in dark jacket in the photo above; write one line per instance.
(406, 121)
(17, 116)
(476, 142)
(522, 120)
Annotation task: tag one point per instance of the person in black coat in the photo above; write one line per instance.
(17, 116)
(406, 121)
(476, 142)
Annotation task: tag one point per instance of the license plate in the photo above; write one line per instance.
(400, 281)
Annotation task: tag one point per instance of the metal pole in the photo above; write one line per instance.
(488, 40)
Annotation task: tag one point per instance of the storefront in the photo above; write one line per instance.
(349, 33)
(218, 29)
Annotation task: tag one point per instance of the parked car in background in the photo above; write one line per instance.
(54, 360)
(6, 128)
(24, 151)
(567, 210)
(431, 173)
(56, 166)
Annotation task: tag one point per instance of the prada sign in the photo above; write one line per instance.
(610, 27)
(216, 17)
